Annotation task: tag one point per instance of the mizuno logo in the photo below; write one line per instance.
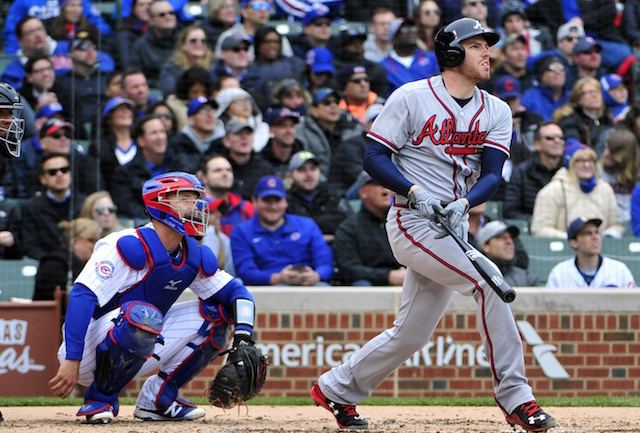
(172, 285)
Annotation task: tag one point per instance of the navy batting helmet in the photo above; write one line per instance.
(447, 41)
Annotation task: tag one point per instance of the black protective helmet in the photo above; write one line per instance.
(11, 121)
(447, 41)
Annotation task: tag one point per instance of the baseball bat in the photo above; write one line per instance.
(487, 269)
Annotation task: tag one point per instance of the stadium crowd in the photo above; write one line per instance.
(275, 125)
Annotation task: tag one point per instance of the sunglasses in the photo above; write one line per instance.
(476, 3)
(196, 41)
(164, 14)
(239, 49)
(86, 47)
(320, 23)
(40, 70)
(53, 171)
(261, 6)
(556, 68)
(359, 80)
(554, 137)
(58, 135)
(570, 38)
(164, 115)
(104, 210)
(206, 111)
(329, 101)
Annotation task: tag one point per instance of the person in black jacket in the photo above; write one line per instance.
(530, 176)
(361, 247)
(283, 143)
(307, 197)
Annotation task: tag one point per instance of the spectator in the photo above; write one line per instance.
(275, 247)
(195, 139)
(150, 160)
(585, 117)
(326, 127)
(587, 61)
(234, 61)
(240, 104)
(378, 44)
(573, 192)
(162, 110)
(180, 7)
(513, 20)
(362, 251)
(219, 242)
(308, 197)
(477, 10)
(71, 21)
(316, 31)
(496, 240)
(407, 62)
(195, 82)
(533, 174)
(283, 142)
(354, 82)
(132, 29)
(37, 86)
(552, 91)
(291, 94)
(319, 71)
(114, 85)
(589, 268)
(427, 17)
(99, 207)
(136, 87)
(79, 239)
(217, 175)
(248, 167)
(41, 215)
(81, 89)
(156, 45)
(347, 160)
(514, 62)
(192, 49)
(567, 37)
(115, 146)
(631, 120)
(270, 60)
(10, 245)
(615, 94)
(42, 9)
(221, 16)
(619, 166)
(630, 24)
(254, 15)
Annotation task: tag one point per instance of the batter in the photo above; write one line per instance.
(440, 145)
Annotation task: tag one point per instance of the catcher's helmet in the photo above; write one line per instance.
(192, 222)
(11, 121)
(447, 41)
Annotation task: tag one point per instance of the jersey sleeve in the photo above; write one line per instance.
(392, 127)
(499, 136)
(205, 287)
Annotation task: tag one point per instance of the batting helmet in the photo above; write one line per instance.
(191, 219)
(11, 121)
(447, 46)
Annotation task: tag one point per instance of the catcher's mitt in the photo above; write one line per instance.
(241, 378)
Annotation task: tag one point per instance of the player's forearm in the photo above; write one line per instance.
(82, 302)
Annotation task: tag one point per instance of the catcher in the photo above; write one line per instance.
(123, 320)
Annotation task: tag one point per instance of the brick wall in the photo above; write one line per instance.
(593, 335)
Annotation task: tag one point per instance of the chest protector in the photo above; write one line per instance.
(165, 281)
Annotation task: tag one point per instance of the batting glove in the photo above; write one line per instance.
(455, 211)
(424, 203)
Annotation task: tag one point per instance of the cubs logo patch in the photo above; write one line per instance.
(295, 236)
(245, 311)
(104, 269)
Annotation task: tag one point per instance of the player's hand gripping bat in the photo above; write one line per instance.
(488, 270)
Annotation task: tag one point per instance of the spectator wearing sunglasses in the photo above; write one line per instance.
(41, 215)
(316, 31)
(155, 46)
(354, 82)
(99, 207)
(254, 15)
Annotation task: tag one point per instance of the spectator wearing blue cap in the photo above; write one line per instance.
(197, 136)
(115, 146)
(616, 95)
(587, 61)
(326, 126)
(38, 82)
(407, 62)
(316, 31)
(279, 248)
(284, 138)
(355, 84)
(254, 15)
(320, 70)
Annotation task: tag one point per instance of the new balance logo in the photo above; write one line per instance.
(173, 285)
(543, 353)
(173, 411)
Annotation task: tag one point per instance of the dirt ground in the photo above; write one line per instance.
(312, 419)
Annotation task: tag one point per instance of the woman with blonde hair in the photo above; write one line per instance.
(192, 49)
(221, 16)
(620, 167)
(100, 208)
(585, 116)
(576, 191)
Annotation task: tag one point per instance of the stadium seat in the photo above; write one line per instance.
(18, 278)
(494, 210)
(626, 250)
(523, 225)
(545, 253)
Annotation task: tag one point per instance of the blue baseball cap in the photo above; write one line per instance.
(318, 11)
(610, 81)
(115, 102)
(50, 110)
(507, 87)
(275, 116)
(324, 93)
(270, 186)
(320, 60)
(196, 104)
(578, 223)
